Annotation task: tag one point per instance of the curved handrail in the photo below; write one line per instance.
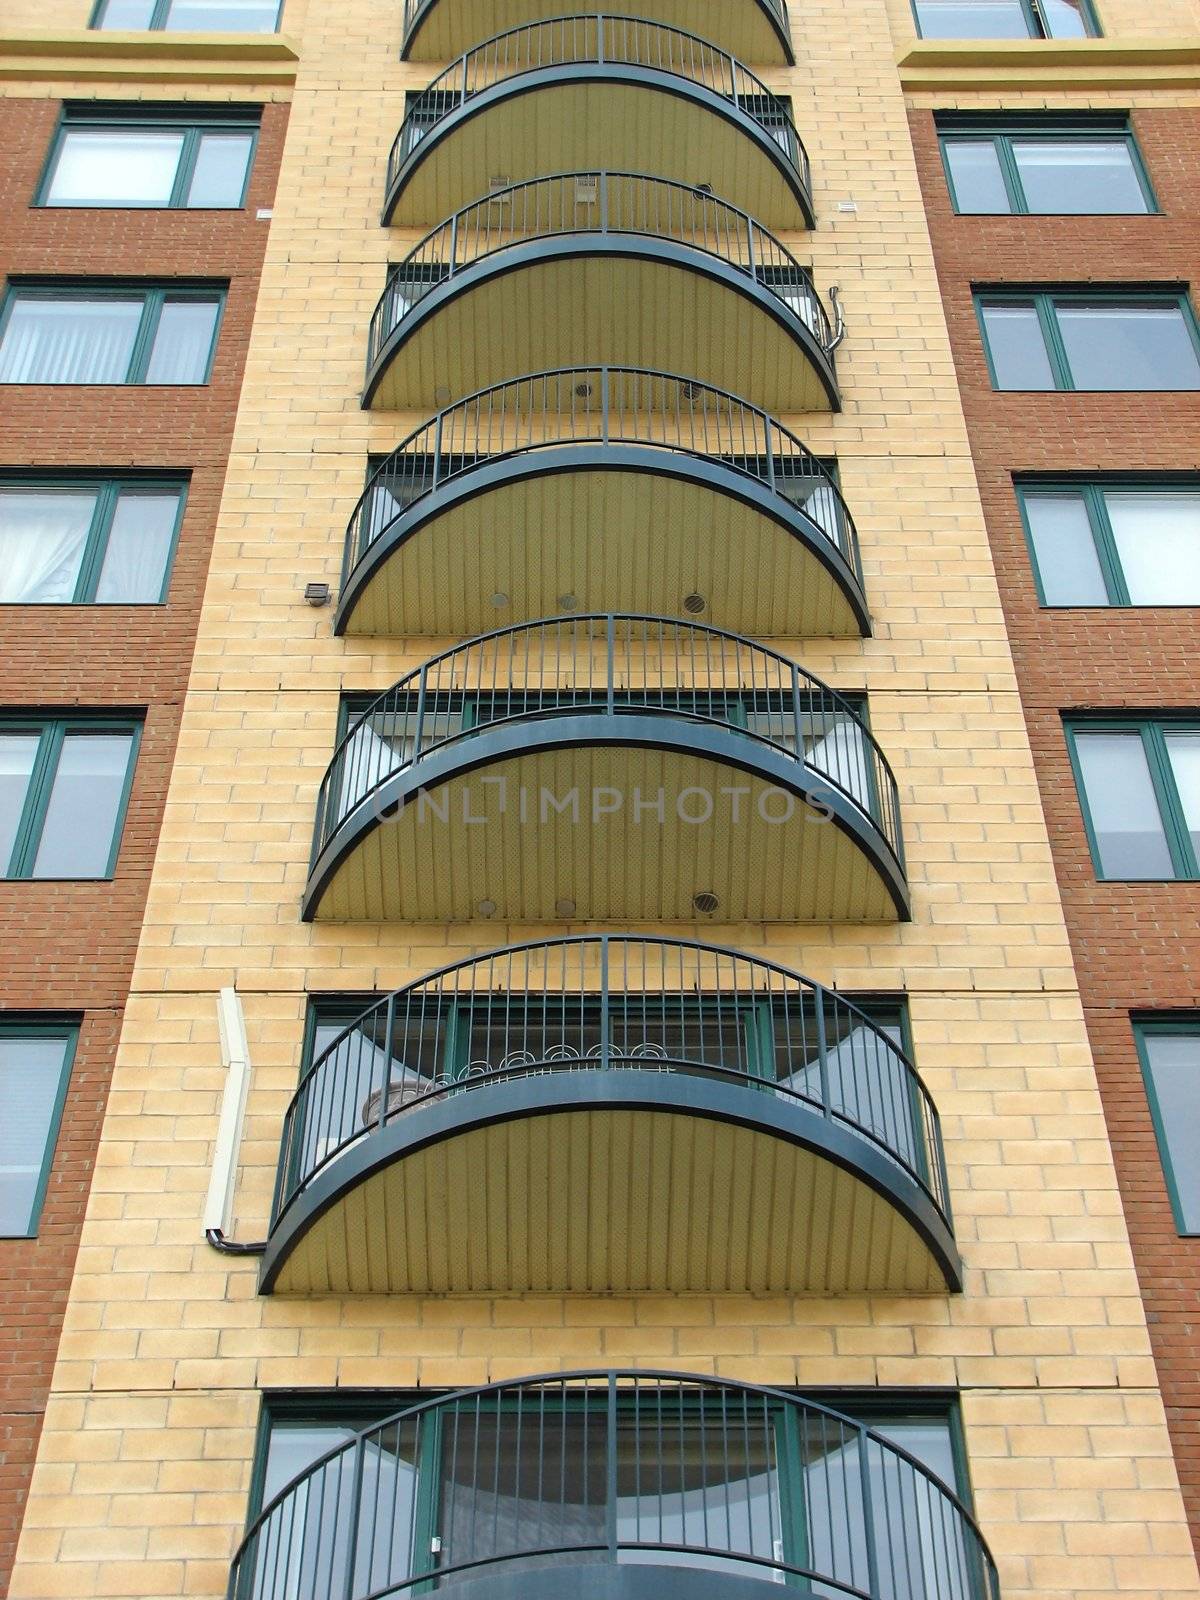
(614, 1466)
(632, 203)
(416, 10)
(603, 1003)
(598, 405)
(611, 662)
(596, 37)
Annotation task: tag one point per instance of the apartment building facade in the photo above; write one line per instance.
(614, 839)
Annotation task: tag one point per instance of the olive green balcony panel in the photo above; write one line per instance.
(597, 91)
(754, 30)
(610, 489)
(612, 767)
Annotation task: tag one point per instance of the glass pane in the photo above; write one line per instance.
(1065, 548)
(219, 176)
(293, 1447)
(972, 19)
(69, 340)
(81, 819)
(1183, 749)
(1174, 1060)
(42, 539)
(139, 545)
(1064, 19)
(223, 16)
(978, 181)
(1078, 175)
(1126, 822)
(127, 14)
(1158, 540)
(18, 752)
(1128, 347)
(1018, 350)
(30, 1073)
(119, 168)
(183, 342)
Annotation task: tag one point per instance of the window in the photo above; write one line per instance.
(1004, 19)
(195, 16)
(1063, 169)
(1139, 786)
(1114, 545)
(1170, 1056)
(1090, 341)
(771, 1492)
(108, 335)
(110, 159)
(35, 1064)
(81, 542)
(63, 791)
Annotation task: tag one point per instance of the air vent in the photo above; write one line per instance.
(694, 604)
(705, 903)
(690, 392)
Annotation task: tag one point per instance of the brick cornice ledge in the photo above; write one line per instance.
(1050, 64)
(90, 56)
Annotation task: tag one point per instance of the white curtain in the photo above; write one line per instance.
(183, 342)
(1158, 540)
(29, 1077)
(69, 341)
(840, 754)
(118, 167)
(139, 543)
(223, 16)
(42, 539)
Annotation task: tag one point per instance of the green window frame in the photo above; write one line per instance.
(1153, 732)
(1168, 1129)
(1092, 494)
(108, 492)
(1038, 22)
(30, 824)
(40, 1029)
(965, 129)
(191, 122)
(159, 17)
(1048, 303)
(154, 298)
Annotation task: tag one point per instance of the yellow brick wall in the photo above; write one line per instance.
(145, 1460)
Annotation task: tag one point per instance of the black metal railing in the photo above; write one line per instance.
(607, 406)
(610, 663)
(597, 38)
(606, 1003)
(415, 11)
(628, 1467)
(604, 204)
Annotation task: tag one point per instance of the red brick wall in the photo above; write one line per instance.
(1137, 946)
(64, 946)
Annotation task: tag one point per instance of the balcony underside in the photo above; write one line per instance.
(619, 300)
(585, 117)
(620, 528)
(470, 824)
(612, 1181)
(750, 29)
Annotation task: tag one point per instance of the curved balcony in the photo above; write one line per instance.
(597, 91)
(755, 30)
(612, 267)
(617, 1486)
(546, 486)
(616, 768)
(757, 1132)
